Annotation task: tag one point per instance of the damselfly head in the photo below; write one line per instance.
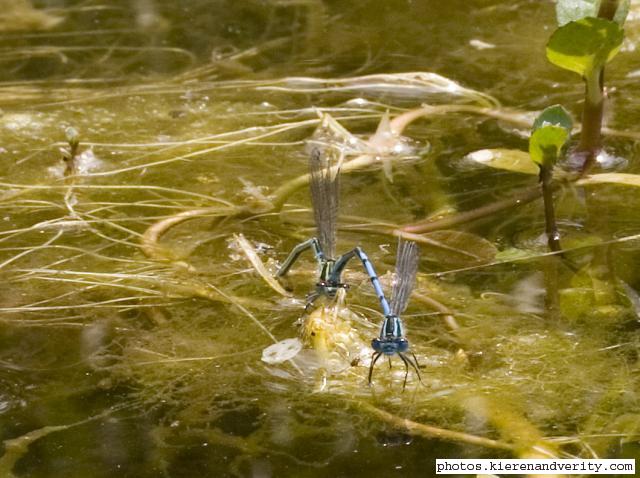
(390, 345)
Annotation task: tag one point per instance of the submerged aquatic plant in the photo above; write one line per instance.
(70, 154)
(551, 131)
(176, 329)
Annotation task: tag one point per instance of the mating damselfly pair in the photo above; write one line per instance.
(324, 185)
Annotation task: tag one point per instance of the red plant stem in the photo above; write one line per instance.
(592, 114)
(521, 197)
(608, 9)
(551, 227)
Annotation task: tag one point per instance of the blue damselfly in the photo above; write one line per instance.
(392, 340)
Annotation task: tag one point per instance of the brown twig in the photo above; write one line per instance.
(428, 431)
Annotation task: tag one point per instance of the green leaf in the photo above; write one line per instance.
(585, 45)
(512, 160)
(571, 10)
(551, 131)
(622, 179)
(554, 115)
(546, 143)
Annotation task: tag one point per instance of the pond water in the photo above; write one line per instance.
(133, 322)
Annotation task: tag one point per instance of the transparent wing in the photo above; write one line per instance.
(324, 197)
(406, 268)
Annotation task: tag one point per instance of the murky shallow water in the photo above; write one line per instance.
(144, 348)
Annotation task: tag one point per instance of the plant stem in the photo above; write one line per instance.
(608, 9)
(592, 114)
(447, 314)
(431, 432)
(150, 240)
(551, 228)
(521, 197)
(550, 263)
(551, 285)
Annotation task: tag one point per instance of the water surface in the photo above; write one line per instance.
(147, 358)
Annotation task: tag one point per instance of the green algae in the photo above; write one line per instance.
(93, 318)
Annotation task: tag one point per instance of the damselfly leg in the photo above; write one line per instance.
(374, 359)
(312, 243)
(414, 364)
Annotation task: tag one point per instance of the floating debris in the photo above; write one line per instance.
(481, 45)
(282, 351)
